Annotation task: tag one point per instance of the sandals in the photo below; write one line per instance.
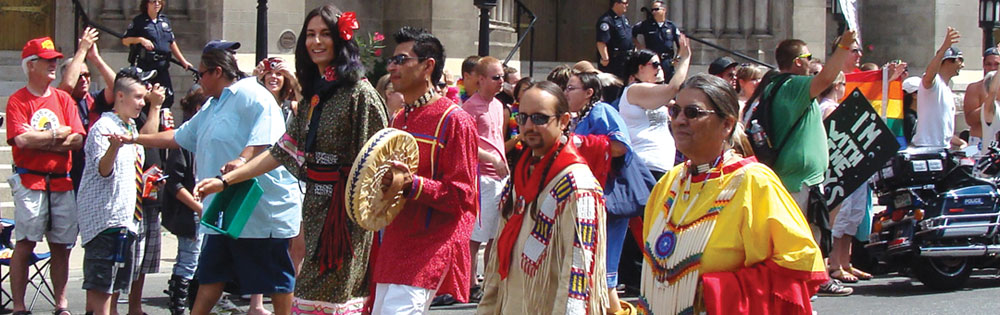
(843, 276)
(860, 274)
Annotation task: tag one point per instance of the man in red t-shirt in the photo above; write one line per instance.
(43, 127)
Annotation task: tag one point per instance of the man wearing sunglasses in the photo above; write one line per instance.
(429, 238)
(76, 79)
(487, 111)
(797, 123)
(659, 35)
(614, 38)
(853, 62)
(550, 250)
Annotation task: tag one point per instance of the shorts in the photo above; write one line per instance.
(147, 253)
(617, 227)
(99, 263)
(258, 265)
(401, 299)
(31, 214)
(852, 212)
(486, 225)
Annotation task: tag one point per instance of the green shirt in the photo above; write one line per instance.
(805, 156)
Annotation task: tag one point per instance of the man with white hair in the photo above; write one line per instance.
(43, 127)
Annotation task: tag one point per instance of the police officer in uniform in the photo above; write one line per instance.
(152, 32)
(614, 38)
(658, 35)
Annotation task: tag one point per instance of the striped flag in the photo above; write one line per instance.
(875, 88)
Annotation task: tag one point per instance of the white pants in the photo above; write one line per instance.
(401, 299)
(490, 191)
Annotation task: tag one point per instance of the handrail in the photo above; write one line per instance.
(521, 8)
(732, 52)
(81, 15)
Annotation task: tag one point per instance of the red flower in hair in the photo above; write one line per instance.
(347, 24)
(378, 52)
(379, 37)
(330, 74)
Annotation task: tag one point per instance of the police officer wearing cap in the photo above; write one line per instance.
(152, 31)
(658, 35)
(614, 38)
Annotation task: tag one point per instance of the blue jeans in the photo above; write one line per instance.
(188, 250)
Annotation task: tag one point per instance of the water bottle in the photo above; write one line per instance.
(122, 247)
(758, 136)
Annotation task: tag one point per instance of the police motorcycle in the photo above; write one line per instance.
(941, 217)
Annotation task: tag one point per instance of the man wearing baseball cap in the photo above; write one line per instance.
(975, 93)
(725, 68)
(935, 100)
(43, 128)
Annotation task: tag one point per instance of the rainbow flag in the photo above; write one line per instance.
(870, 84)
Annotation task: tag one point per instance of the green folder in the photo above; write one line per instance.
(232, 207)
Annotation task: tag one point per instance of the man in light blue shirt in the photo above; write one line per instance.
(240, 120)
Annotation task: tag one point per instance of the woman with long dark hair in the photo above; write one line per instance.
(643, 106)
(340, 112)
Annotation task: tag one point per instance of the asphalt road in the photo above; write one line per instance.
(883, 295)
(888, 295)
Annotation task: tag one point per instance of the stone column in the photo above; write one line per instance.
(746, 16)
(761, 25)
(704, 17)
(732, 17)
(676, 12)
(718, 16)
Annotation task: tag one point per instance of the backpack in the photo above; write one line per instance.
(759, 124)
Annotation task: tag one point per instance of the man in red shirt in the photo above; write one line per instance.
(43, 127)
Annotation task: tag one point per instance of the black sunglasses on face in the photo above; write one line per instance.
(656, 9)
(656, 64)
(400, 59)
(536, 118)
(497, 77)
(690, 111)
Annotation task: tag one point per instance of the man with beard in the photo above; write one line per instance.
(550, 251)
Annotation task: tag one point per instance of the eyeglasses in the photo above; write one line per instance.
(570, 88)
(655, 64)
(536, 118)
(807, 56)
(85, 75)
(656, 9)
(690, 111)
(400, 59)
(197, 78)
(497, 77)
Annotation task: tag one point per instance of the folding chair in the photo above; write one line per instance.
(37, 279)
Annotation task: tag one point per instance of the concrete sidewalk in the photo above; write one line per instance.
(154, 300)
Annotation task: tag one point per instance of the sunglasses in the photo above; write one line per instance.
(497, 77)
(806, 56)
(656, 9)
(400, 59)
(655, 64)
(197, 78)
(85, 75)
(690, 111)
(536, 118)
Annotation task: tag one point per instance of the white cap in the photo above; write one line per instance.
(911, 84)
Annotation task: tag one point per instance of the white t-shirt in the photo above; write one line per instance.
(649, 131)
(990, 130)
(827, 104)
(935, 115)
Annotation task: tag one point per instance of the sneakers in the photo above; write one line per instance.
(834, 288)
(443, 300)
(476, 294)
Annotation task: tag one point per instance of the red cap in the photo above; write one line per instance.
(43, 47)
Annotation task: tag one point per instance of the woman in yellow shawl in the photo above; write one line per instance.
(720, 225)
